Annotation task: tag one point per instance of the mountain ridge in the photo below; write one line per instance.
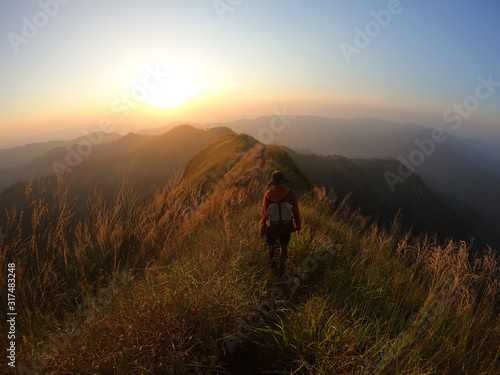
(151, 161)
(180, 282)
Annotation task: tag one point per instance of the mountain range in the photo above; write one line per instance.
(441, 197)
(148, 251)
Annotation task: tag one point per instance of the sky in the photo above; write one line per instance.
(126, 65)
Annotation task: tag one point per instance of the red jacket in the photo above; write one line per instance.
(277, 194)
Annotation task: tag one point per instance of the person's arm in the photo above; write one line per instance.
(263, 216)
(296, 214)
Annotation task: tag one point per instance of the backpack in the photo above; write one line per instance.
(280, 212)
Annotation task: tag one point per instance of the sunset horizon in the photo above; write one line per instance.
(148, 66)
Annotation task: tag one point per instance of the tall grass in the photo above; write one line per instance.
(391, 304)
(383, 302)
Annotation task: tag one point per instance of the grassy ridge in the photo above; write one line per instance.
(191, 266)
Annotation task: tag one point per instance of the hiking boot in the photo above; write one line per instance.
(282, 265)
(283, 275)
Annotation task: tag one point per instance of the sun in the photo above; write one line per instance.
(174, 91)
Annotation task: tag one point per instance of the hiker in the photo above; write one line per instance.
(279, 211)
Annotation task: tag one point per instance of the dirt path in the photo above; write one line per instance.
(244, 353)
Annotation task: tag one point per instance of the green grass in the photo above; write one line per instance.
(196, 268)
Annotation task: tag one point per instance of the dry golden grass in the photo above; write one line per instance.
(383, 302)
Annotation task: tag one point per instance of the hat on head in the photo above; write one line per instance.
(278, 178)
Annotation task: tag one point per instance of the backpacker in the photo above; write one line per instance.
(281, 212)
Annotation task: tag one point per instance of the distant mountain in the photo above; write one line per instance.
(207, 157)
(166, 128)
(149, 162)
(353, 138)
(235, 160)
(21, 155)
(149, 166)
(35, 160)
(67, 134)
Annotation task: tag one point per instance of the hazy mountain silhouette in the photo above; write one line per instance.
(166, 128)
(35, 160)
(354, 138)
(113, 157)
(21, 155)
(149, 162)
(67, 134)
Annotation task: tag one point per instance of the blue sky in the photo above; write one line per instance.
(261, 55)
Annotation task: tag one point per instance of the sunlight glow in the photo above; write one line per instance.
(175, 91)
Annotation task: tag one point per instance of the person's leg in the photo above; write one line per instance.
(272, 249)
(271, 245)
(283, 255)
(284, 240)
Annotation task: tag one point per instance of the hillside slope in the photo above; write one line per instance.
(179, 284)
(364, 182)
